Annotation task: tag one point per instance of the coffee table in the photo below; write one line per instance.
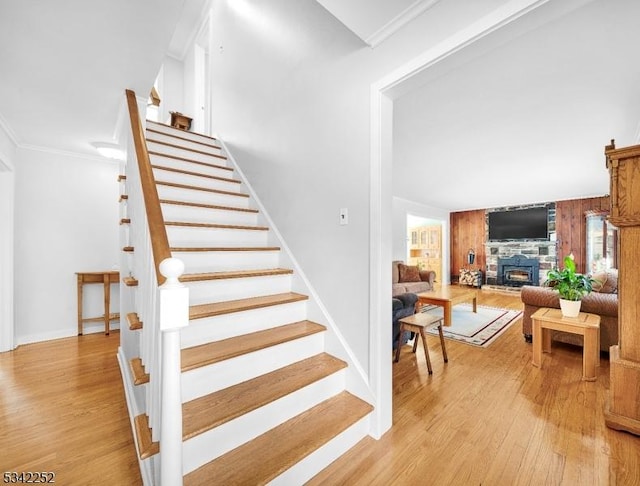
(446, 296)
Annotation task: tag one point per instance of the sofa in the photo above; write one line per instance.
(602, 301)
(404, 305)
(410, 279)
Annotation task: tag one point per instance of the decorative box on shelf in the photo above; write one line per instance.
(470, 277)
(178, 120)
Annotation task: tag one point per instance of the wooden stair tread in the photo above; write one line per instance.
(134, 321)
(196, 174)
(226, 248)
(267, 272)
(181, 130)
(269, 455)
(192, 161)
(200, 188)
(188, 224)
(183, 138)
(146, 446)
(140, 376)
(216, 351)
(130, 282)
(219, 308)
(181, 147)
(217, 408)
(128, 249)
(207, 206)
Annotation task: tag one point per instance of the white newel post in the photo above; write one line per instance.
(174, 315)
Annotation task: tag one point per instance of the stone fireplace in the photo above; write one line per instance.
(517, 271)
(511, 255)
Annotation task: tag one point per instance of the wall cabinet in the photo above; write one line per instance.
(425, 249)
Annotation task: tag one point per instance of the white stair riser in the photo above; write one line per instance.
(209, 183)
(208, 379)
(216, 442)
(193, 167)
(181, 133)
(211, 291)
(185, 235)
(184, 153)
(205, 197)
(221, 261)
(195, 145)
(178, 212)
(216, 328)
(319, 459)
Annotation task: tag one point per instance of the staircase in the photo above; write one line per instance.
(262, 399)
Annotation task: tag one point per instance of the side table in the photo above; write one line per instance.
(105, 278)
(587, 325)
(419, 323)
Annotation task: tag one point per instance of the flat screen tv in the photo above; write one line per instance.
(519, 224)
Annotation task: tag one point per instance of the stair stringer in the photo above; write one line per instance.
(357, 381)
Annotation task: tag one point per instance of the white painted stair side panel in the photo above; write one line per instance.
(184, 153)
(216, 328)
(198, 196)
(212, 291)
(212, 444)
(179, 212)
(195, 180)
(208, 379)
(201, 236)
(203, 144)
(182, 133)
(319, 459)
(222, 261)
(193, 167)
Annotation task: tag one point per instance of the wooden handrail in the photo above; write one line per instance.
(157, 229)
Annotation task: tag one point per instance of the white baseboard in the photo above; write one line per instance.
(63, 333)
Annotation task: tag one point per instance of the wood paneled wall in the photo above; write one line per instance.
(571, 227)
(468, 230)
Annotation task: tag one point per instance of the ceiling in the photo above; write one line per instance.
(519, 116)
(523, 115)
(376, 20)
(64, 71)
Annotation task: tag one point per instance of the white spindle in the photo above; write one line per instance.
(173, 300)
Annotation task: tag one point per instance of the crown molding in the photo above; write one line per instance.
(4, 126)
(399, 21)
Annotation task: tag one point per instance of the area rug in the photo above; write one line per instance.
(478, 329)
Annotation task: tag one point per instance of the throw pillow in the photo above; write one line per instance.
(600, 280)
(611, 284)
(409, 273)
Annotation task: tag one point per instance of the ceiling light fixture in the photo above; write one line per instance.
(109, 150)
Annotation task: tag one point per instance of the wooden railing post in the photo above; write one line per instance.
(173, 301)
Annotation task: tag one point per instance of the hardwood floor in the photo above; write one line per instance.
(487, 417)
(62, 410)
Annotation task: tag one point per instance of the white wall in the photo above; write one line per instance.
(291, 90)
(7, 183)
(400, 210)
(66, 212)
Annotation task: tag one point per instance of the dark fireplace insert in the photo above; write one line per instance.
(518, 271)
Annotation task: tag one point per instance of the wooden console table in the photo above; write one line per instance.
(105, 278)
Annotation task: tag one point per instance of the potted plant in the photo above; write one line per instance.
(571, 286)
